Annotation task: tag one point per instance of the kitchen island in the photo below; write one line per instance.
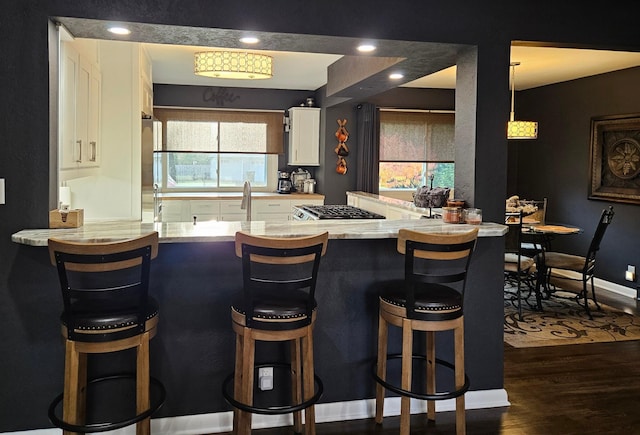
(197, 273)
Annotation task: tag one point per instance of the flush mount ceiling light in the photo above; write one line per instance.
(249, 40)
(233, 65)
(366, 48)
(116, 30)
(519, 129)
(396, 76)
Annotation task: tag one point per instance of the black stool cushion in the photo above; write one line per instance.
(104, 315)
(290, 310)
(432, 301)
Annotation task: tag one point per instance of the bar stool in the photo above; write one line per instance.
(106, 309)
(277, 304)
(430, 298)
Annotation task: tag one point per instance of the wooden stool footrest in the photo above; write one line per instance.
(102, 427)
(434, 396)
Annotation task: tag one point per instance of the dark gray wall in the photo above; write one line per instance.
(556, 165)
(31, 358)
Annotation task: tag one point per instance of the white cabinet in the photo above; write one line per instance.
(230, 211)
(146, 83)
(80, 98)
(304, 136)
(272, 210)
(176, 211)
(262, 209)
(204, 210)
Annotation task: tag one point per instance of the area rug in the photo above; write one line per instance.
(565, 322)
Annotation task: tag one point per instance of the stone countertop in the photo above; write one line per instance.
(399, 203)
(238, 195)
(220, 231)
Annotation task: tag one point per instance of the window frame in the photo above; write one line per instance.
(275, 142)
(423, 162)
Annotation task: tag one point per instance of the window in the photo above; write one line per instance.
(217, 150)
(415, 146)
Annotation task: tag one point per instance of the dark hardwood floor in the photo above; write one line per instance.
(564, 390)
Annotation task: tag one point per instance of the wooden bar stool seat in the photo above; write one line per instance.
(430, 299)
(277, 304)
(106, 309)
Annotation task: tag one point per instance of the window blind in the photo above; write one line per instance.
(417, 136)
(221, 131)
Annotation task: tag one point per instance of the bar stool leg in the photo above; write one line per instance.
(459, 376)
(237, 383)
(73, 385)
(431, 373)
(248, 356)
(142, 384)
(407, 353)
(382, 366)
(309, 383)
(296, 384)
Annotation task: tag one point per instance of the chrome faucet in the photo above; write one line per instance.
(246, 199)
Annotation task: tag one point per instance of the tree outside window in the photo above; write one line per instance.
(413, 146)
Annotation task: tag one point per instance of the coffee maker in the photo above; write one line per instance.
(284, 182)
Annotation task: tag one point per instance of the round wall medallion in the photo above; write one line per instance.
(624, 158)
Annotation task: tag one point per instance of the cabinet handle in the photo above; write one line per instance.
(79, 143)
(93, 151)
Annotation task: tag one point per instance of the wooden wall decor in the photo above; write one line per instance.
(342, 150)
(615, 158)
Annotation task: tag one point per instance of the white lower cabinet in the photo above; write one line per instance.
(267, 209)
(230, 211)
(204, 210)
(270, 210)
(175, 211)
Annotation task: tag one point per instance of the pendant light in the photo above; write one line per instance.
(519, 129)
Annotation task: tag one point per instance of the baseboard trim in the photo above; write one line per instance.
(325, 412)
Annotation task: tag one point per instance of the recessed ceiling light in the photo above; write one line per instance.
(119, 30)
(249, 40)
(366, 48)
(396, 76)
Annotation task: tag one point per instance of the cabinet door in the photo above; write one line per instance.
(69, 149)
(304, 136)
(83, 105)
(204, 210)
(230, 210)
(92, 152)
(272, 210)
(175, 211)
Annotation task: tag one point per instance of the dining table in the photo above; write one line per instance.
(536, 240)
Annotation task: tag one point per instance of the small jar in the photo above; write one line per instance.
(451, 215)
(455, 202)
(472, 216)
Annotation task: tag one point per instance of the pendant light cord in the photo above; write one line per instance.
(513, 89)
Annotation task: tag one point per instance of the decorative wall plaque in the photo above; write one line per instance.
(615, 158)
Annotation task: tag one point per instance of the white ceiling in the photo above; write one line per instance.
(539, 66)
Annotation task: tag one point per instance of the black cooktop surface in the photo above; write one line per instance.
(340, 212)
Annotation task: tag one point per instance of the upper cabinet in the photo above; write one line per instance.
(146, 84)
(304, 136)
(80, 99)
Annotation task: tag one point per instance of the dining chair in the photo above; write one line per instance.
(517, 265)
(584, 266)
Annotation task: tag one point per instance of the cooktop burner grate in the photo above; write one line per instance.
(340, 212)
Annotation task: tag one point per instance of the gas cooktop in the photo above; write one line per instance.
(313, 212)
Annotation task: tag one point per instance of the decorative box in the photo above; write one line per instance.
(66, 219)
